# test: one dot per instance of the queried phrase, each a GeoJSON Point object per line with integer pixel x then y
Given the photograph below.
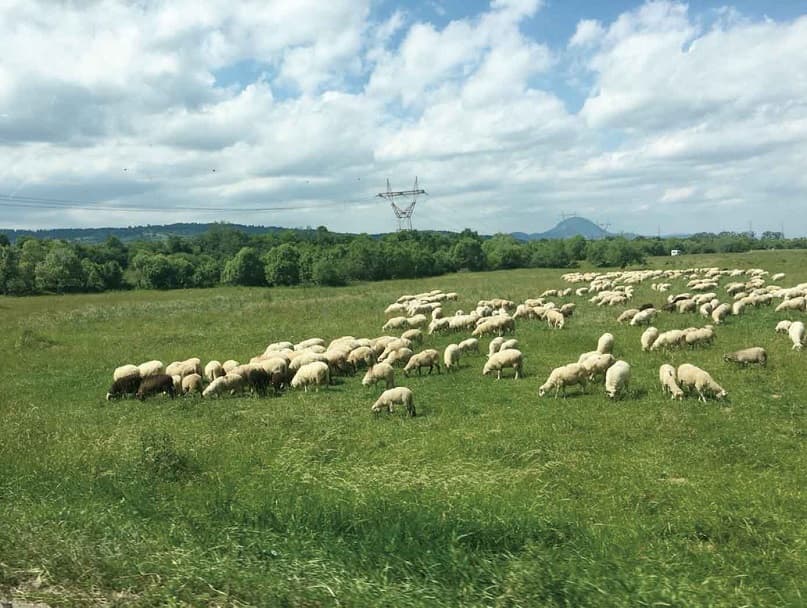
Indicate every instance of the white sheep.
{"type": "Point", "coordinates": [495, 345]}
{"type": "Point", "coordinates": [214, 370]}
{"type": "Point", "coordinates": [396, 323]}
{"type": "Point", "coordinates": [617, 378]}
{"type": "Point", "coordinates": [379, 371]}
{"type": "Point", "coordinates": [563, 376]}
{"type": "Point", "coordinates": [229, 365]}
{"type": "Point", "coordinates": [720, 313]}
{"type": "Point", "coordinates": [782, 327]}
{"type": "Point", "coordinates": [151, 368]}
{"type": "Point", "coordinates": [400, 356]}
{"type": "Point", "coordinates": [395, 396]}
{"type": "Point", "coordinates": [468, 345]}
{"type": "Point", "coordinates": [361, 356]}
{"type": "Point", "coordinates": [667, 377]}
{"type": "Point", "coordinates": [185, 368]}
{"type": "Point", "coordinates": [754, 354]}
{"type": "Point", "coordinates": [511, 343]}
{"type": "Point", "coordinates": [315, 373]}
{"type": "Point", "coordinates": [648, 337]}
{"type": "Point", "coordinates": [126, 371]}
{"type": "Point", "coordinates": [451, 357]}
{"type": "Point", "coordinates": [627, 315]}
{"type": "Point", "coordinates": [428, 358]}
{"type": "Point", "coordinates": [306, 344]}
{"type": "Point", "coordinates": [192, 383]}
{"type": "Point", "coordinates": [504, 358]}
{"type": "Point", "coordinates": [796, 333]}
{"type": "Point", "coordinates": [691, 377]}
{"type": "Point", "coordinates": [231, 383]}
{"type": "Point", "coordinates": [672, 337]}
{"type": "Point", "coordinates": [413, 335]}
{"type": "Point", "coordinates": [597, 364]}
{"type": "Point", "coordinates": [605, 344]}
{"type": "Point", "coordinates": [555, 319]}
{"type": "Point", "coordinates": [643, 317]}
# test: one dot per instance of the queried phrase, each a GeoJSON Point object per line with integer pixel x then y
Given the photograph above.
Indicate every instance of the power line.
{"type": "Point", "coordinates": [55, 203]}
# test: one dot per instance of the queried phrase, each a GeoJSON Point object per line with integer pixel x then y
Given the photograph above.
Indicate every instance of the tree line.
{"type": "Point", "coordinates": [226, 256]}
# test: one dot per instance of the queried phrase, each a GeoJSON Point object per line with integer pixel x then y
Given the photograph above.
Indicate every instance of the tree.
{"type": "Point", "coordinates": [154, 271]}
{"type": "Point", "coordinates": [467, 254]}
{"type": "Point", "coordinates": [245, 268]}
{"type": "Point", "coordinates": [328, 270]}
{"type": "Point", "coordinates": [282, 265]}
{"type": "Point", "coordinates": [60, 272]}
{"type": "Point", "coordinates": [10, 283]}
{"type": "Point", "coordinates": [503, 251]}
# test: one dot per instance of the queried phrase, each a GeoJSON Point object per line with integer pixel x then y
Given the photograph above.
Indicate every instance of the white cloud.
{"type": "Point", "coordinates": [588, 32]}
{"type": "Point", "coordinates": [124, 103]}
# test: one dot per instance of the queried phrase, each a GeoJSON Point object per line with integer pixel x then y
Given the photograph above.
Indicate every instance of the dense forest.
{"type": "Point", "coordinates": [225, 255]}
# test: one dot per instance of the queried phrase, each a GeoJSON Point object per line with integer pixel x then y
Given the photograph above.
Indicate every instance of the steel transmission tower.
{"type": "Point", "coordinates": [403, 214]}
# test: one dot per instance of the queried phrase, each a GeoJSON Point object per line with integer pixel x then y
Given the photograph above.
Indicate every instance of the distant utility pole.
{"type": "Point", "coordinates": [403, 215]}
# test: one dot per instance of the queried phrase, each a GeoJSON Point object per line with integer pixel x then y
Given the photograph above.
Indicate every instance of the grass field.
{"type": "Point", "coordinates": [492, 496]}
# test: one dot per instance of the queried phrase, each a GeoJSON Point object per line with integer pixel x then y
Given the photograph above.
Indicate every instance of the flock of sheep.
{"type": "Point", "coordinates": [315, 362]}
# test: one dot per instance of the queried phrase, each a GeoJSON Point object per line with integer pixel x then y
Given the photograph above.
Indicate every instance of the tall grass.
{"type": "Point", "coordinates": [492, 496]}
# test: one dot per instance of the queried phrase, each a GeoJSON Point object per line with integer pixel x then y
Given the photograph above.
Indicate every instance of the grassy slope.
{"type": "Point", "coordinates": [491, 496]}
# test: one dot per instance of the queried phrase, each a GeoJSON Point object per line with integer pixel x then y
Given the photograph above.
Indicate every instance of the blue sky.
{"type": "Point", "coordinates": [511, 112]}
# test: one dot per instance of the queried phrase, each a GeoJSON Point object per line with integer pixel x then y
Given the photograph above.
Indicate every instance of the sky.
{"type": "Point", "coordinates": [655, 116]}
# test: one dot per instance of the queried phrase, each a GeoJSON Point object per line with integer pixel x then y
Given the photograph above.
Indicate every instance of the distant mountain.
{"type": "Point", "coordinates": [131, 233]}
{"type": "Point", "coordinates": [569, 227]}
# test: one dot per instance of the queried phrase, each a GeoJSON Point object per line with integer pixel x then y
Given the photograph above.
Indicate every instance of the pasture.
{"type": "Point", "coordinates": [491, 496]}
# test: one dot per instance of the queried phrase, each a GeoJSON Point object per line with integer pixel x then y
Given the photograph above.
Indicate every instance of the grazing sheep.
{"type": "Point", "coordinates": [567, 310]}
{"type": "Point", "coordinates": [121, 387]}
{"type": "Point", "coordinates": [495, 345]}
{"type": "Point", "coordinates": [605, 344]}
{"type": "Point", "coordinates": [672, 337]}
{"type": "Point", "coordinates": [796, 333]}
{"type": "Point", "coordinates": [214, 370]}
{"type": "Point", "coordinates": [511, 343]}
{"type": "Point", "coordinates": [154, 384]}
{"type": "Point", "coordinates": [468, 345]}
{"type": "Point", "coordinates": [362, 356]}
{"type": "Point", "coordinates": [184, 368]}
{"type": "Point", "coordinates": [755, 354]}
{"type": "Point", "coordinates": [667, 377]}
{"type": "Point", "coordinates": [428, 358]}
{"type": "Point", "coordinates": [151, 368]}
{"type": "Point", "coordinates": [563, 376]}
{"type": "Point", "coordinates": [315, 373]}
{"type": "Point", "coordinates": [417, 321]}
{"type": "Point", "coordinates": [555, 319]}
{"type": "Point", "coordinates": [192, 384]}
{"type": "Point", "coordinates": [648, 337]}
{"type": "Point", "coordinates": [177, 383]}
{"type": "Point", "coordinates": [126, 371]}
{"type": "Point", "coordinates": [643, 317]}
{"type": "Point", "coordinates": [597, 364]}
{"type": "Point", "coordinates": [627, 316]}
{"type": "Point", "coordinates": [258, 379]}
{"type": "Point", "coordinates": [379, 371]}
{"type": "Point", "coordinates": [413, 335]}
{"type": "Point", "coordinates": [400, 356]}
{"type": "Point", "coordinates": [231, 383]}
{"type": "Point", "coordinates": [451, 357]}
{"type": "Point", "coordinates": [617, 378]}
{"type": "Point", "coordinates": [782, 327]}
{"type": "Point", "coordinates": [306, 344]}
{"type": "Point", "coordinates": [720, 313]}
{"type": "Point", "coordinates": [307, 357]}
{"type": "Point", "coordinates": [702, 335]}
{"type": "Point", "coordinates": [396, 323]}
{"type": "Point", "coordinates": [395, 396]}
{"type": "Point", "coordinates": [691, 377]}
{"type": "Point", "coordinates": [504, 358]}
{"type": "Point", "coordinates": [797, 303]}
{"type": "Point", "coordinates": [229, 365]}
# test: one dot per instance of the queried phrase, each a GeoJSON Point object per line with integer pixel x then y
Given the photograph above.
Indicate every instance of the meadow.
{"type": "Point", "coordinates": [491, 496]}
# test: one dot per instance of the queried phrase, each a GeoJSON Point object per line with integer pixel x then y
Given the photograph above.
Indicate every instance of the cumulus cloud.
{"type": "Point", "coordinates": [127, 104]}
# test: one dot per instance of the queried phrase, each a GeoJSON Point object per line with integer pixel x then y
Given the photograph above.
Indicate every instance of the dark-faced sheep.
{"type": "Point", "coordinates": [127, 385]}
{"type": "Point", "coordinates": [153, 385]}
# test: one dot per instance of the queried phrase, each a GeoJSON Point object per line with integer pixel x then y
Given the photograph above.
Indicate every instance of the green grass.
{"type": "Point", "coordinates": [492, 496]}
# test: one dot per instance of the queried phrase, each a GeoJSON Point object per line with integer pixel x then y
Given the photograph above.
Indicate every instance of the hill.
{"type": "Point", "coordinates": [567, 228]}
{"type": "Point", "coordinates": [131, 233]}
